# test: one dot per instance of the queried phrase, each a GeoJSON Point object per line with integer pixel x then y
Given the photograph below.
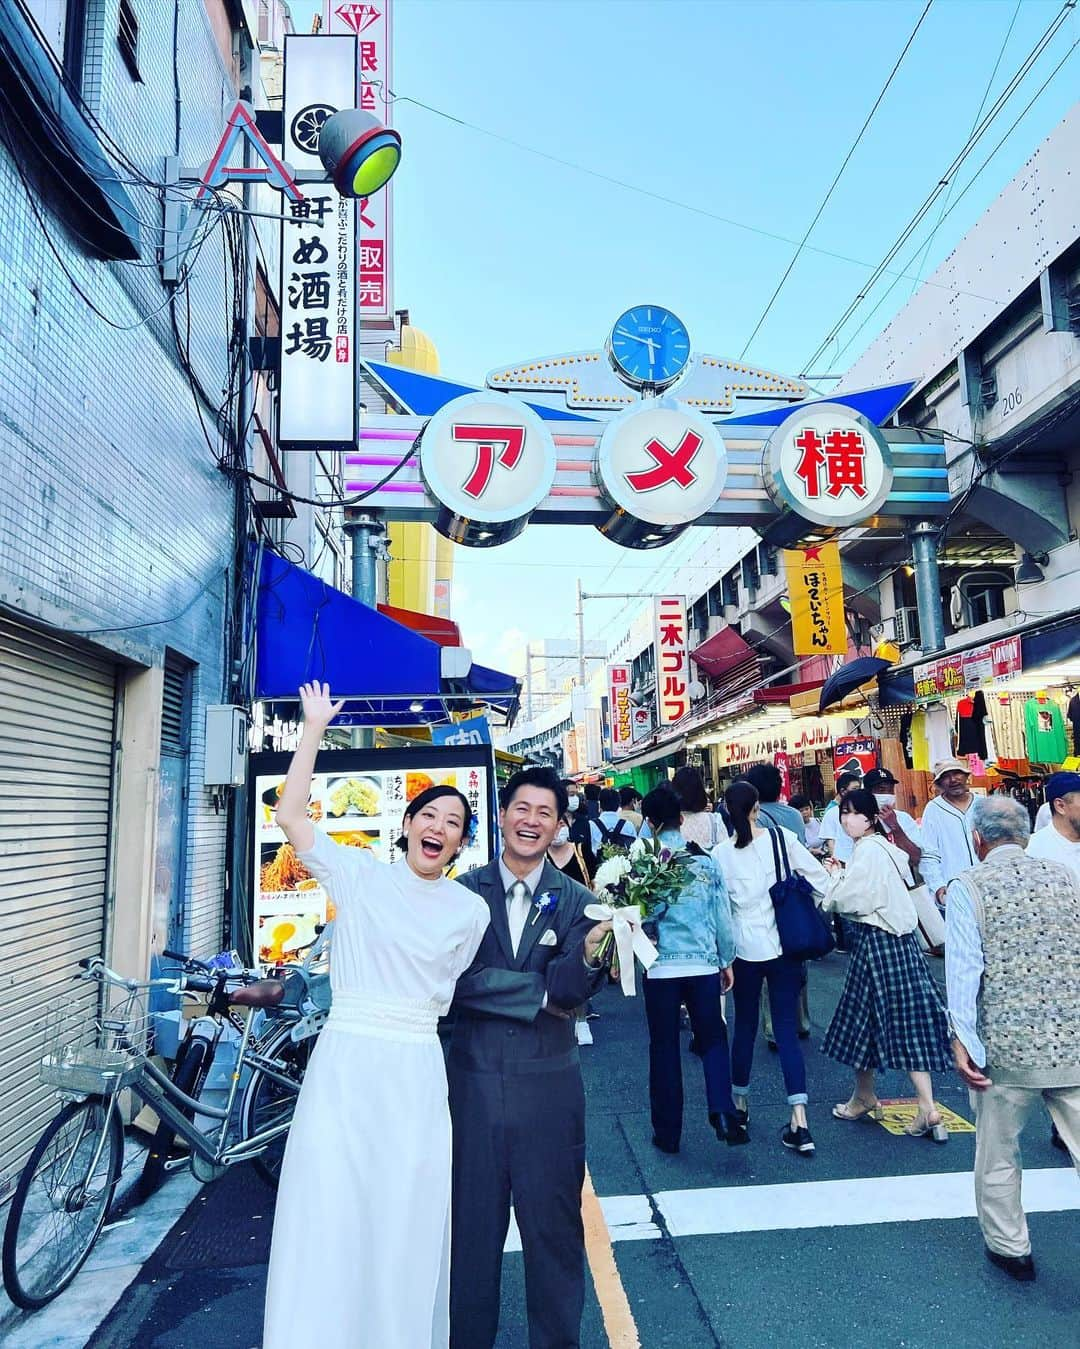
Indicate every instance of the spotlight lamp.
{"type": "Point", "coordinates": [358, 152]}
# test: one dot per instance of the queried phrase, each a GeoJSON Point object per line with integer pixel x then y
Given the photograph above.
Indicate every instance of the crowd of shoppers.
{"type": "Point", "coordinates": [1010, 934]}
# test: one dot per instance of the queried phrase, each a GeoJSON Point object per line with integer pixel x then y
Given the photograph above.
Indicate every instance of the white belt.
{"type": "Point", "coordinates": [404, 1019]}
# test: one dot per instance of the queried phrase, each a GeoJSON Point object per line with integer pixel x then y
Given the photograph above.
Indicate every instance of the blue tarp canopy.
{"type": "Point", "coordinates": [390, 675]}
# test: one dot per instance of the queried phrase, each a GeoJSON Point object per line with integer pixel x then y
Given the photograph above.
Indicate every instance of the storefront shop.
{"type": "Point", "coordinates": [801, 748]}
{"type": "Point", "coordinates": [1010, 709]}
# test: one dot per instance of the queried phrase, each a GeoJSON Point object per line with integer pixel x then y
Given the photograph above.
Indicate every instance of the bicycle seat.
{"type": "Point", "coordinates": [262, 993]}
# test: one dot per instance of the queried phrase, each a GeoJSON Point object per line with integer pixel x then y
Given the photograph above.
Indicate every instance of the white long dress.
{"type": "Point", "coordinates": [361, 1248]}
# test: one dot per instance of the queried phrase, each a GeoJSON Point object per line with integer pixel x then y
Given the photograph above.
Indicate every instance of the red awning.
{"type": "Point", "coordinates": [722, 652]}
{"type": "Point", "coordinates": [440, 630]}
{"type": "Point", "coordinates": [781, 693]}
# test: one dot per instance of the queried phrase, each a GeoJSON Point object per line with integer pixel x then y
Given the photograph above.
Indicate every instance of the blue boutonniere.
{"type": "Point", "coordinates": [545, 904]}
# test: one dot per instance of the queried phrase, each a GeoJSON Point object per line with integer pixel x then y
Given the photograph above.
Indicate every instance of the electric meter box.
{"type": "Point", "coordinates": [226, 747]}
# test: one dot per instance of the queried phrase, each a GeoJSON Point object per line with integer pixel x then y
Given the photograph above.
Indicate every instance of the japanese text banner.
{"type": "Point", "coordinates": [816, 590]}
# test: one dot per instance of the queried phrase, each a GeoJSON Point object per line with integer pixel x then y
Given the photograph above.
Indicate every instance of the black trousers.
{"type": "Point", "coordinates": [517, 1135]}
{"type": "Point", "coordinates": [704, 1002]}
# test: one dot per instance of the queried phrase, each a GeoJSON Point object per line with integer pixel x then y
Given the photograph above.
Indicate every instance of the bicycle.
{"type": "Point", "coordinates": [67, 1186]}
{"type": "Point", "coordinates": [286, 1040]}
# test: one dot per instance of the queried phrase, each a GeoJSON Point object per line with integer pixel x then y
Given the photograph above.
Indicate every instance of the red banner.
{"type": "Point", "coordinates": [980, 666]}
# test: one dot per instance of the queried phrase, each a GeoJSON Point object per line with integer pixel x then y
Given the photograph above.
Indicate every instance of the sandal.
{"type": "Point", "coordinates": [923, 1126]}
{"type": "Point", "coordinates": [850, 1111]}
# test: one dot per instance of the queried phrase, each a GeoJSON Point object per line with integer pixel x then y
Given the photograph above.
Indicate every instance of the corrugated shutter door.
{"type": "Point", "coordinates": [57, 706]}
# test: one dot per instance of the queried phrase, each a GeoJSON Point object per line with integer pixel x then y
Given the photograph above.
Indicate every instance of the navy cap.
{"type": "Point", "coordinates": [879, 777]}
{"type": "Point", "coordinates": [1061, 784]}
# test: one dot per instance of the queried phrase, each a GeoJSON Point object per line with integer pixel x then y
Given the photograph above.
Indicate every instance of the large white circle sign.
{"type": "Point", "coordinates": [487, 458]}
{"type": "Point", "coordinates": [829, 465]}
{"type": "Point", "coordinates": [661, 463]}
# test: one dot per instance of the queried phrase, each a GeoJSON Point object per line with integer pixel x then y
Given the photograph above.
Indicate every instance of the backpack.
{"type": "Point", "coordinates": [613, 836]}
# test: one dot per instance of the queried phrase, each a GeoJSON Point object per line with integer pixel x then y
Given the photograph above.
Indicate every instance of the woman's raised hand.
{"type": "Point", "coordinates": [319, 711]}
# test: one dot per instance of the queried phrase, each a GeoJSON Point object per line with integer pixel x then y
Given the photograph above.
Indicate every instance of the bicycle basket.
{"type": "Point", "coordinates": [94, 1040]}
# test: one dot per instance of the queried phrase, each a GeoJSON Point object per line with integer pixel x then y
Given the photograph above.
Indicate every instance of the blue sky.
{"type": "Point", "coordinates": [737, 110]}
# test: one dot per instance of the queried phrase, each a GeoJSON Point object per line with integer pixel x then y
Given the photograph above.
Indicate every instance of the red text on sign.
{"type": "Point", "coordinates": [494, 444]}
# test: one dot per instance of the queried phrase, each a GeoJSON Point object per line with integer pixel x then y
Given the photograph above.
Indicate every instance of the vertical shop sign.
{"type": "Point", "coordinates": [371, 25]}
{"type": "Point", "coordinates": [318, 258]}
{"type": "Point", "coordinates": [619, 708]}
{"type": "Point", "coordinates": [641, 724]}
{"type": "Point", "coordinates": [855, 754]}
{"type": "Point", "coordinates": [816, 591]}
{"type": "Point", "coordinates": [672, 659]}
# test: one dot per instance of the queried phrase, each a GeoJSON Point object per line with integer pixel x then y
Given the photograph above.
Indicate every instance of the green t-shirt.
{"type": "Point", "coordinates": [1044, 731]}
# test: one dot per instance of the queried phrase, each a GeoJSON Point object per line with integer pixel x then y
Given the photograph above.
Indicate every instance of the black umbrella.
{"type": "Point", "coordinates": [848, 678]}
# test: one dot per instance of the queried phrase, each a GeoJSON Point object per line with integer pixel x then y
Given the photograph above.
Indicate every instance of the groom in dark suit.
{"type": "Point", "coordinates": [516, 1095]}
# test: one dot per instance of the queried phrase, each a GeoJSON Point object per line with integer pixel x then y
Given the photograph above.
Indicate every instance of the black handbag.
{"type": "Point", "coordinates": [804, 932]}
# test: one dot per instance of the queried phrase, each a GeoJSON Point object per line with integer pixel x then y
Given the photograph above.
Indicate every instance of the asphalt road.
{"type": "Point", "coordinates": [705, 1258]}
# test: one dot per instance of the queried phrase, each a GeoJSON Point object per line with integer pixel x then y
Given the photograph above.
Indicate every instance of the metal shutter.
{"type": "Point", "coordinates": [57, 715]}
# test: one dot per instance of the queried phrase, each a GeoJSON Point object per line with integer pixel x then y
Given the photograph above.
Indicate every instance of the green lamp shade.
{"type": "Point", "coordinates": [360, 153]}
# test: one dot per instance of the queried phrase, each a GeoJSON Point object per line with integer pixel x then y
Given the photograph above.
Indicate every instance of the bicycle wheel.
{"type": "Point", "coordinates": [267, 1103]}
{"type": "Point", "coordinates": [61, 1202]}
{"type": "Point", "coordinates": [186, 1078]}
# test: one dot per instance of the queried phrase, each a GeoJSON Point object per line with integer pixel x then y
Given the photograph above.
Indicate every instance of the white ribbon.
{"type": "Point", "coordinates": [630, 941]}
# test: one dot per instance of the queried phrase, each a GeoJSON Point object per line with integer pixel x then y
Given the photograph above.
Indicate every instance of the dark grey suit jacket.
{"type": "Point", "coordinates": [501, 987]}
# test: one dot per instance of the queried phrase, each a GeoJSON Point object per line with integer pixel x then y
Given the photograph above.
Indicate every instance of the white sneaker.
{"type": "Point", "coordinates": [583, 1032]}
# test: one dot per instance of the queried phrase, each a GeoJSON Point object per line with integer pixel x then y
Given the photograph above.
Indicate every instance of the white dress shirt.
{"type": "Point", "coordinates": [1042, 816]}
{"type": "Point", "coordinates": [964, 965]}
{"type": "Point", "coordinates": [515, 918]}
{"type": "Point", "coordinates": [947, 842]}
{"type": "Point", "coordinates": [875, 888]}
{"type": "Point", "coordinates": [748, 873]}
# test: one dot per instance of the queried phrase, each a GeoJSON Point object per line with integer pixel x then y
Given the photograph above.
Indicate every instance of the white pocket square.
{"type": "Point", "coordinates": [548, 938]}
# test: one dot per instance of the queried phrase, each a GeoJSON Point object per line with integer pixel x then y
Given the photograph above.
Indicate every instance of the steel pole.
{"type": "Point", "coordinates": [581, 634]}
{"type": "Point", "coordinates": [365, 535]}
{"type": "Point", "coordinates": [924, 553]}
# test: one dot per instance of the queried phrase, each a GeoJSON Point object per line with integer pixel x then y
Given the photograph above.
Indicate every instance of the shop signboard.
{"type": "Point", "coordinates": [816, 592]}
{"type": "Point", "coordinates": [317, 377]}
{"type": "Point", "coordinates": [471, 731]}
{"type": "Point", "coordinates": [855, 754]}
{"type": "Point", "coordinates": [829, 465]}
{"type": "Point", "coordinates": [371, 24]}
{"type": "Point", "coordinates": [982, 666]}
{"type": "Point", "coordinates": [662, 463]}
{"type": "Point", "coordinates": [800, 737]}
{"type": "Point", "coordinates": [620, 709]}
{"type": "Point", "coordinates": [672, 659]}
{"type": "Point", "coordinates": [358, 797]}
{"type": "Point", "coordinates": [490, 461]}
{"type": "Point", "coordinates": [641, 724]}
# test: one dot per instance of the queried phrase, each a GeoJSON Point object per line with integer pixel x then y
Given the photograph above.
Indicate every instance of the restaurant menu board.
{"type": "Point", "coordinates": [358, 797]}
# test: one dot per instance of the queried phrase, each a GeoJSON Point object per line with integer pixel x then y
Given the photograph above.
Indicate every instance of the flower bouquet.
{"type": "Point", "coordinates": [635, 888]}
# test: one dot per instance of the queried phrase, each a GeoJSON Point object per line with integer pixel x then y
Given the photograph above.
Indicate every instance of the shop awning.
{"type": "Point", "coordinates": [441, 631]}
{"type": "Point", "coordinates": [390, 676]}
{"type": "Point", "coordinates": [722, 652]}
{"type": "Point", "coordinates": [851, 676]}
{"type": "Point", "coordinates": [649, 756]}
{"type": "Point", "coordinates": [783, 693]}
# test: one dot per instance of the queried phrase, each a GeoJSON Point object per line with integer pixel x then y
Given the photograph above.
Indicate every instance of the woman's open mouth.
{"type": "Point", "coordinates": [432, 848]}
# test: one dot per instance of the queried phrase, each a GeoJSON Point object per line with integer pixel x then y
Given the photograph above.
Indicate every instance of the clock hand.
{"type": "Point", "coordinates": [632, 336]}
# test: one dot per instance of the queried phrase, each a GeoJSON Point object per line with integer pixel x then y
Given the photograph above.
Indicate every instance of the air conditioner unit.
{"type": "Point", "coordinates": [906, 620]}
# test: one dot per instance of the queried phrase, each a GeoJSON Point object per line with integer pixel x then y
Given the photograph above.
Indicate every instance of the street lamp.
{"type": "Point", "coordinates": [359, 153]}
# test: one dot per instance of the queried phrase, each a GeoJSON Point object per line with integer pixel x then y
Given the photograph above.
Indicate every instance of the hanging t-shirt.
{"type": "Point", "coordinates": [1044, 731]}
{"type": "Point", "coordinates": [920, 749]}
{"type": "Point", "coordinates": [1073, 713]}
{"type": "Point", "coordinates": [988, 735]}
{"type": "Point", "coordinates": [939, 733]}
{"type": "Point", "coordinates": [970, 736]}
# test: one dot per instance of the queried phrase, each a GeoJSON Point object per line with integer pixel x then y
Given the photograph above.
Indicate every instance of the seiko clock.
{"type": "Point", "coordinates": [649, 348]}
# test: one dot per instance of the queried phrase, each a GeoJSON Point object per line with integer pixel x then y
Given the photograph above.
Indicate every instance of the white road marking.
{"type": "Point", "coordinates": [850, 1203]}
{"type": "Point", "coordinates": [818, 1203]}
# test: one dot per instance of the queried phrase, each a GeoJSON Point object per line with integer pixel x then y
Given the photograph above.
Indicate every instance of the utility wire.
{"type": "Point", "coordinates": [836, 179]}
{"type": "Point", "coordinates": [962, 194]}
{"type": "Point", "coordinates": [974, 124]}
{"type": "Point", "coordinates": [943, 182]}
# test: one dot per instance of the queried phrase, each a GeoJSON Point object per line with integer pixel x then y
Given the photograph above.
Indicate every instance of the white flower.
{"type": "Point", "coordinates": [638, 849]}
{"type": "Point", "coordinates": [610, 872]}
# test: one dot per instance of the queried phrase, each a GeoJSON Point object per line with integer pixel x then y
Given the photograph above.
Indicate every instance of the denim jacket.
{"type": "Point", "coordinates": [698, 926]}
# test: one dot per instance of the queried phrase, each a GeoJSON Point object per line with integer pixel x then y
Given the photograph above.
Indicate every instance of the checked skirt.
{"type": "Point", "coordinates": [890, 1014]}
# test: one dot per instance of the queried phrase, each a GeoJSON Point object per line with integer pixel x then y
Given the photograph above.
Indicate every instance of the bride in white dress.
{"type": "Point", "coordinates": [361, 1246]}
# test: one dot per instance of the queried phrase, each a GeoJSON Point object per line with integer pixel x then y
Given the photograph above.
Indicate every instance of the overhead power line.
{"type": "Point", "coordinates": [836, 178]}
{"type": "Point", "coordinates": [943, 183]}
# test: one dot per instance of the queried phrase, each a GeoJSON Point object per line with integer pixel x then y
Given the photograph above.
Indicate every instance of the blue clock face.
{"type": "Point", "coordinates": [649, 346]}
